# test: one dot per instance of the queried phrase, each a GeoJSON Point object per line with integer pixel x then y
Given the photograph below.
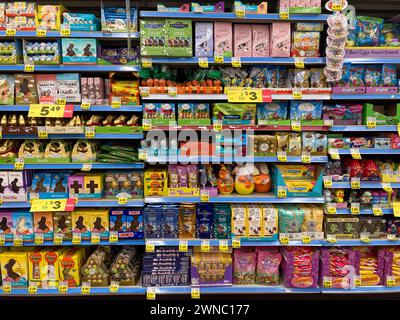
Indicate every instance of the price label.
{"type": "Point", "coordinates": [86, 167]}
{"type": "Point", "coordinates": [116, 102]}
{"type": "Point", "coordinates": [299, 63]}
{"type": "Point", "coordinates": [236, 243]}
{"type": "Point", "coordinates": [334, 153]}
{"type": "Point", "coordinates": [114, 286]}
{"type": "Point", "coordinates": [146, 125]}
{"type": "Point", "coordinates": [49, 205]}
{"type": "Point", "coordinates": [390, 281]}
{"type": "Point", "coordinates": [76, 238]}
{"type": "Point", "coordinates": [18, 240]}
{"type": "Point", "coordinates": [297, 94]}
{"type": "Point", "coordinates": [296, 125]}
{"type": "Point", "coordinates": [29, 67]}
{"type": "Point", "coordinates": [355, 208]}
{"type": "Point", "coordinates": [327, 282]}
{"type": "Point", "coordinates": [95, 238]}
{"type": "Point", "coordinates": [282, 157]}
{"type": "Point", "coordinates": [306, 157]}
{"type": "Point", "coordinates": [90, 132]}
{"type": "Point", "coordinates": [236, 62]}
{"type": "Point", "coordinates": [364, 237]}
{"type": "Point", "coordinates": [396, 209]}
{"type": "Point", "coordinates": [283, 239]}
{"type": "Point", "coordinates": [205, 246]}
{"type": "Point", "coordinates": [240, 11]}
{"type": "Point", "coordinates": [19, 164]}
{"type": "Point", "coordinates": [85, 105]}
{"type": "Point", "coordinates": [41, 32]}
{"type": "Point", "coordinates": [357, 281]}
{"type": "Point", "coordinates": [337, 5]}
{"type": "Point", "coordinates": [197, 8]}
{"type": "Point", "coordinates": [150, 247]}
{"type": "Point", "coordinates": [219, 59]}
{"type": "Point", "coordinates": [252, 95]}
{"type": "Point", "coordinates": [147, 63]}
{"type": "Point", "coordinates": [113, 237]}
{"type": "Point", "coordinates": [284, 15]}
{"type": "Point", "coordinates": [63, 287]}
{"type": "Point", "coordinates": [142, 155]}
{"type": "Point", "coordinates": [331, 238]}
{"type": "Point", "coordinates": [32, 289]}
{"type": "Point", "coordinates": [50, 111]}
{"type": "Point", "coordinates": [387, 187]}
{"type": "Point", "coordinates": [172, 91]}
{"type": "Point", "coordinates": [282, 193]}
{"type": "Point", "coordinates": [377, 211]}
{"type": "Point", "coordinates": [223, 246]}
{"type": "Point", "coordinates": [61, 101]}
{"type": "Point", "coordinates": [144, 92]}
{"type": "Point", "coordinates": [355, 153]}
{"type": "Point", "coordinates": [398, 128]}
{"type": "Point", "coordinates": [331, 209]}
{"type": "Point", "coordinates": [371, 122]}
{"type": "Point", "coordinates": [183, 245]}
{"type": "Point", "coordinates": [217, 126]}
{"type": "Point", "coordinates": [195, 293]}
{"type": "Point", "coordinates": [58, 239]}
{"type": "Point", "coordinates": [65, 30]}
{"type": "Point", "coordinates": [2, 239]}
{"type": "Point", "coordinates": [39, 239]}
{"type": "Point", "coordinates": [328, 123]}
{"type": "Point", "coordinates": [6, 287]}
{"type": "Point", "coordinates": [355, 183]}
{"type": "Point", "coordinates": [85, 289]}
{"type": "Point", "coordinates": [203, 62]}
{"type": "Point", "coordinates": [306, 239]}
{"type": "Point", "coordinates": [151, 293]}
{"type": "Point", "coordinates": [11, 32]}
{"type": "Point", "coordinates": [327, 181]}
{"type": "Point", "coordinates": [122, 201]}
{"type": "Point", "coordinates": [204, 196]}
{"type": "Point", "coordinates": [391, 237]}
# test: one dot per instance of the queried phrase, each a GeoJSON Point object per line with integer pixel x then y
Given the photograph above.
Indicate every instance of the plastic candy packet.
{"type": "Point", "coordinates": [302, 78]}
{"type": "Point", "coordinates": [368, 31]}
{"type": "Point", "coordinates": [372, 75]}
{"type": "Point", "coordinates": [389, 35]}
{"type": "Point", "coordinates": [318, 79]}
{"type": "Point", "coordinates": [356, 76]}
{"type": "Point", "coordinates": [389, 76]}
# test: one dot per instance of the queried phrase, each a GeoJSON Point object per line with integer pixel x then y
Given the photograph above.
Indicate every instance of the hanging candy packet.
{"type": "Point", "coordinates": [368, 31]}
{"type": "Point", "coordinates": [372, 75]}
{"type": "Point", "coordinates": [389, 75]}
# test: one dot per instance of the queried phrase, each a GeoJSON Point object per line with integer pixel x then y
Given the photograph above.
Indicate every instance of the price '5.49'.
{"type": "Point", "coordinates": [51, 111]}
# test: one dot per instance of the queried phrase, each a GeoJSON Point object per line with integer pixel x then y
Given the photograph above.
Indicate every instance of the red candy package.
{"type": "Point", "coordinates": [370, 170]}
{"type": "Point", "coordinates": [353, 167]}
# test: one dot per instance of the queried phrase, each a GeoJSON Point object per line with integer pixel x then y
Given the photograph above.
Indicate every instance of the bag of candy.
{"type": "Point", "coordinates": [318, 79]}
{"type": "Point", "coordinates": [368, 31]}
{"type": "Point", "coordinates": [372, 75]}
{"type": "Point", "coordinates": [389, 36]}
{"type": "Point", "coordinates": [244, 266]}
{"type": "Point", "coordinates": [389, 76]}
{"type": "Point", "coordinates": [356, 76]}
{"type": "Point", "coordinates": [268, 262]}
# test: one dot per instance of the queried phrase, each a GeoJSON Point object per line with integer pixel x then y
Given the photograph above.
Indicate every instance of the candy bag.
{"type": "Point", "coordinates": [389, 36]}
{"type": "Point", "coordinates": [368, 31]}
{"type": "Point", "coordinates": [372, 75]}
{"type": "Point", "coordinates": [389, 75]}
{"type": "Point", "coordinates": [318, 79]}
{"type": "Point", "coordinates": [356, 77]}
{"type": "Point", "coordinates": [244, 266]}
{"type": "Point", "coordinates": [268, 261]}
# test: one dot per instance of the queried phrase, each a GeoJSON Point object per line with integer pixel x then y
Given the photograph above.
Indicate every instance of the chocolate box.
{"type": "Point", "coordinates": [204, 39]}
{"type": "Point", "coordinates": [223, 39]}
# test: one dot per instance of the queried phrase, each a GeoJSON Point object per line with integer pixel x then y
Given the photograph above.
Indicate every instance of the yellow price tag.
{"type": "Point", "coordinates": [391, 283]}
{"type": "Point", "coordinates": [284, 15]}
{"type": "Point", "coordinates": [144, 92]}
{"type": "Point", "coordinates": [183, 245]}
{"type": "Point", "coordinates": [299, 63]}
{"type": "Point", "coordinates": [296, 125]}
{"type": "Point", "coordinates": [86, 167]}
{"type": "Point", "coordinates": [327, 182]}
{"type": "Point", "coordinates": [204, 196]}
{"type": "Point", "coordinates": [11, 32]}
{"type": "Point", "coordinates": [334, 153]}
{"type": "Point", "coordinates": [282, 193]}
{"type": "Point", "coordinates": [46, 111]}
{"type": "Point", "coordinates": [146, 125]}
{"type": "Point", "coordinates": [240, 13]}
{"type": "Point", "coordinates": [63, 287]}
{"type": "Point", "coordinates": [29, 68]}
{"type": "Point", "coordinates": [396, 209]}
{"type": "Point", "coordinates": [195, 293]}
{"type": "Point", "coordinates": [236, 62]}
{"type": "Point", "coordinates": [203, 62]}
{"type": "Point", "coordinates": [377, 211]}
{"type": "Point", "coordinates": [205, 246]}
{"type": "Point", "coordinates": [387, 187]}
{"type": "Point", "coordinates": [355, 183]}
{"type": "Point", "coordinates": [65, 31]}
{"type": "Point", "coordinates": [90, 133]}
{"type": "Point", "coordinates": [355, 153]}
{"type": "Point", "coordinates": [391, 237]}
{"type": "Point", "coordinates": [116, 102]}
{"type": "Point", "coordinates": [217, 126]}
{"type": "Point", "coordinates": [32, 289]}
{"type": "Point", "coordinates": [113, 237]}
{"type": "Point", "coordinates": [19, 164]}
{"type": "Point", "coordinates": [147, 63]}
{"type": "Point", "coordinates": [236, 243]}
{"type": "Point", "coordinates": [76, 238]}
{"type": "Point", "coordinates": [331, 209]}
{"type": "Point", "coordinates": [357, 281]}
{"type": "Point", "coordinates": [85, 289]}
{"type": "Point", "coordinates": [58, 239]}
{"type": "Point", "coordinates": [39, 239]}
{"type": "Point", "coordinates": [2, 240]}
{"type": "Point", "coordinates": [6, 287]}
{"type": "Point", "coordinates": [122, 201]}
{"type": "Point", "coordinates": [219, 59]}
{"type": "Point", "coordinates": [398, 128]}
{"type": "Point", "coordinates": [306, 239]}
{"type": "Point", "coordinates": [142, 155]}
{"type": "Point", "coordinates": [85, 105]}
{"type": "Point", "coordinates": [306, 157]}
{"type": "Point", "coordinates": [282, 157]}
{"type": "Point", "coordinates": [48, 205]}
{"type": "Point", "coordinates": [337, 5]}
{"type": "Point", "coordinates": [18, 241]}
{"type": "Point", "coordinates": [371, 122]}
{"type": "Point", "coordinates": [365, 238]}
{"type": "Point", "coordinates": [327, 283]}
{"type": "Point", "coordinates": [172, 91]}
{"type": "Point", "coordinates": [331, 238]}
{"type": "Point", "coordinates": [61, 101]}
{"type": "Point", "coordinates": [41, 33]}
{"type": "Point", "coordinates": [297, 94]}
{"type": "Point", "coordinates": [114, 286]}
{"type": "Point", "coordinates": [223, 246]}
{"type": "Point", "coordinates": [150, 247]}
{"type": "Point", "coordinates": [43, 134]}
{"type": "Point", "coordinates": [284, 240]}
{"type": "Point", "coordinates": [355, 208]}
{"type": "Point", "coordinates": [95, 238]}
{"type": "Point", "coordinates": [150, 294]}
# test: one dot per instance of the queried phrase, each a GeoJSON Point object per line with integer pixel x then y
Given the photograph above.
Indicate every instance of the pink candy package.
{"type": "Point", "coordinates": [268, 262]}
{"type": "Point", "coordinates": [223, 38]}
{"type": "Point", "coordinates": [244, 266]}
{"type": "Point", "coordinates": [280, 39]}
{"type": "Point", "coordinates": [371, 262]}
{"type": "Point", "coordinates": [242, 40]}
{"type": "Point", "coordinates": [260, 40]}
{"type": "Point", "coordinates": [300, 267]}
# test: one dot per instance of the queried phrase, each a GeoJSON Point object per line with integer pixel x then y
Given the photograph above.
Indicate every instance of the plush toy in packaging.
{"type": "Point", "coordinates": [242, 40]}
{"type": "Point", "coordinates": [79, 51]}
{"type": "Point", "coordinates": [179, 37]}
{"type": "Point", "coordinates": [204, 39]}
{"type": "Point", "coordinates": [6, 89]}
{"type": "Point", "coordinates": [223, 39]}
{"type": "Point", "coordinates": [260, 40]}
{"type": "Point", "coordinates": [153, 37]}
{"type": "Point", "coordinates": [280, 37]}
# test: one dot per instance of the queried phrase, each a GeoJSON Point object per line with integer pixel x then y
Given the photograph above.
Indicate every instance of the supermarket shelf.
{"type": "Point", "coordinates": [358, 242]}
{"type": "Point", "coordinates": [362, 211]}
{"type": "Point", "coordinates": [120, 242]}
{"type": "Point", "coordinates": [372, 60]}
{"type": "Point", "coordinates": [363, 128]}
{"type": "Point", "coordinates": [74, 34]}
{"type": "Point", "coordinates": [76, 166]}
{"type": "Point", "coordinates": [231, 17]}
{"type": "Point", "coordinates": [243, 60]}
{"type": "Point", "coordinates": [365, 96]}
{"type": "Point", "coordinates": [229, 159]}
{"type": "Point", "coordinates": [70, 68]}
{"type": "Point", "coordinates": [370, 151]}
{"type": "Point", "coordinates": [369, 289]}
{"type": "Point", "coordinates": [236, 198]}
{"type": "Point", "coordinates": [224, 97]}
{"type": "Point", "coordinates": [258, 127]}
{"type": "Point", "coordinates": [363, 185]}
{"type": "Point", "coordinates": [74, 291]}
{"type": "Point", "coordinates": [243, 243]}
{"type": "Point", "coordinates": [93, 108]}
{"type": "Point", "coordinates": [103, 203]}
{"type": "Point", "coordinates": [98, 136]}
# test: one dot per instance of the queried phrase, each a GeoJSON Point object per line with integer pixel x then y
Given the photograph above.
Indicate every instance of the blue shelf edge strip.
{"type": "Point", "coordinates": [95, 108]}
{"type": "Point", "coordinates": [371, 151]}
{"type": "Point", "coordinates": [363, 185]}
{"type": "Point", "coordinates": [81, 204]}
{"type": "Point", "coordinates": [243, 60]}
{"type": "Point", "coordinates": [77, 136]}
{"type": "Point", "coordinates": [235, 199]}
{"type": "Point", "coordinates": [74, 34]}
{"type": "Point", "coordinates": [105, 166]}
{"type": "Point", "coordinates": [74, 68]}
{"type": "Point", "coordinates": [225, 159]}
